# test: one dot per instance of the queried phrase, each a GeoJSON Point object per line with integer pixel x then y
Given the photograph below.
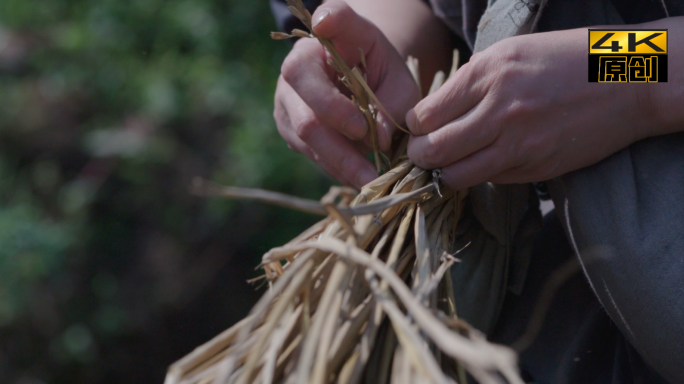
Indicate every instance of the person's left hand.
{"type": "Point", "coordinates": [522, 111]}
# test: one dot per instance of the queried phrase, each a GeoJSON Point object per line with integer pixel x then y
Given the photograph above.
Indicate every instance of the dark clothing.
{"type": "Point", "coordinates": [284, 19]}
{"type": "Point", "coordinates": [578, 342]}
{"type": "Point", "coordinates": [464, 16]}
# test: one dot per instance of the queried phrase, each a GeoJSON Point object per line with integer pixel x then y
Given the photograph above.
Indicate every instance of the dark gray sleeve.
{"type": "Point", "coordinates": [284, 19]}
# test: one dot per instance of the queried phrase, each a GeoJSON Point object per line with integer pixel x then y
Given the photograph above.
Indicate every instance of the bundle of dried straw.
{"type": "Point", "coordinates": [365, 294]}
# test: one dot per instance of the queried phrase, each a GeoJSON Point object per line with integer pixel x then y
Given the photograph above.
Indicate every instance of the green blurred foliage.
{"type": "Point", "coordinates": [109, 269]}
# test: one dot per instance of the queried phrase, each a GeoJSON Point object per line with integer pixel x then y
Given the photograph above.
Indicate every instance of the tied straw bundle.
{"type": "Point", "coordinates": [365, 294]}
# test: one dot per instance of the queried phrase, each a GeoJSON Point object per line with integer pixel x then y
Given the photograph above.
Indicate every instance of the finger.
{"type": "Point", "coordinates": [387, 73]}
{"type": "Point", "coordinates": [477, 168]}
{"type": "Point", "coordinates": [457, 96]}
{"type": "Point", "coordinates": [453, 142]}
{"type": "Point", "coordinates": [337, 175]}
{"type": "Point", "coordinates": [398, 95]}
{"type": "Point", "coordinates": [293, 141]}
{"type": "Point", "coordinates": [336, 152]}
{"type": "Point", "coordinates": [341, 155]}
{"type": "Point", "coordinates": [303, 148]}
{"type": "Point", "coordinates": [337, 21]}
{"type": "Point", "coordinates": [531, 172]}
{"type": "Point", "coordinates": [283, 123]}
{"type": "Point", "coordinates": [296, 144]}
{"type": "Point", "coordinates": [304, 70]}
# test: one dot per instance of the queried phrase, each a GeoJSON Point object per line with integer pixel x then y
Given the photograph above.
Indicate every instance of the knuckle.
{"type": "Point", "coordinates": [305, 126]}
{"type": "Point", "coordinates": [424, 116]}
{"type": "Point", "coordinates": [431, 155]}
{"type": "Point", "coordinates": [510, 53]}
{"type": "Point", "coordinates": [291, 65]}
{"type": "Point", "coordinates": [292, 148]}
{"type": "Point", "coordinates": [345, 165]}
{"type": "Point", "coordinates": [488, 136]}
{"type": "Point", "coordinates": [279, 112]}
{"type": "Point", "coordinates": [481, 64]}
{"type": "Point", "coordinates": [519, 108]}
{"type": "Point", "coordinates": [505, 51]}
{"type": "Point", "coordinates": [276, 115]}
{"type": "Point", "coordinates": [280, 118]}
{"type": "Point", "coordinates": [475, 61]}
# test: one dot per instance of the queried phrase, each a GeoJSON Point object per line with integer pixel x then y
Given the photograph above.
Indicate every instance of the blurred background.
{"type": "Point", "coordinates": [109, 269]}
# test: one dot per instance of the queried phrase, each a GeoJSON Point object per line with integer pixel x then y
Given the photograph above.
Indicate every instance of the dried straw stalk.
{"type": "Point", "coordinates": [363, 296]}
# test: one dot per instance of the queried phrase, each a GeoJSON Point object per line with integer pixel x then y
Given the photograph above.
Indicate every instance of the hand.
{"type": "Point", "coordinates": [523, 111]}
{"type": "Point", "coordinates": [312, 111]}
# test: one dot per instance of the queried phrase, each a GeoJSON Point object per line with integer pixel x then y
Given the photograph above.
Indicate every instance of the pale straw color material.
{"type": "Point", "coordinates": [363, 296]}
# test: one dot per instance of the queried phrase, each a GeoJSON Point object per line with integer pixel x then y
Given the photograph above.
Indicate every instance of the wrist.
{"type": "Point", "coordinates": [666, 101]}
{"type": "Point", "coordinates": [661, 103]}
{"type": "Point", "coordinates": [647, 118]}
{"type": "Point", "coordinates": [659, 109]}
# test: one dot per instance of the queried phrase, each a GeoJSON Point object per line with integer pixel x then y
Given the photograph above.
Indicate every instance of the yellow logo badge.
{"type": "Point", "coordinates": [620, 56]}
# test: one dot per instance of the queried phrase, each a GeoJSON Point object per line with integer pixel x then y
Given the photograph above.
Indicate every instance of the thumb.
{"type": "Point", "coordinates": [388, 74]}
{"type": "Point", "coordinates": [398, 96]}
{"type": "Point", "coordinates": [349, 31]}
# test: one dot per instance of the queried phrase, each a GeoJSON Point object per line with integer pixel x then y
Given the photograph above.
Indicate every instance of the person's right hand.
{"type": "Point", "coordinates": [313, 114]}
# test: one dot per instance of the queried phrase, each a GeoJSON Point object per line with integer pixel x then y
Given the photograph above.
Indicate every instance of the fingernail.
{"type": "Point", "coordinates": [385, 130]}
{"type": "Point", "coordinates": [365, 176]}
{"type": "Point", "coordinates": [355, 128]}
{"type": "Point", "coordinates": [320, 15]}
{"type": "Point", "coordinates": [412, 121]}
